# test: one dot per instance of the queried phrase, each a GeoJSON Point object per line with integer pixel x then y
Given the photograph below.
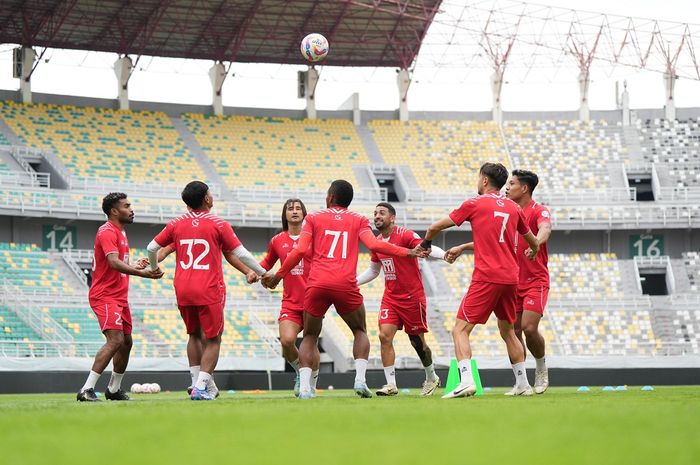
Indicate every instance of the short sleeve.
{"type": "Point", "coordinates": [308, 226]}
{"type": "Point", "coordinates": [365, 225]}
{"type": "Point", "coordinates": [270, 257]}
{"type": "Point", "coordinates": [411, 239]}
{"type": "Point", "coordinates": [229, 240]}
{"type": "Point", "coordinates": [108, 241]}
{"type": "Point", "coordinates": [544, 216]}
{"type": "Point", "coordinates": [463, 212]}
{"type": "Point", "coordinates": [165, 237]}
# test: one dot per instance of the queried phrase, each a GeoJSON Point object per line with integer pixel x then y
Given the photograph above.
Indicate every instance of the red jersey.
{"type": "Point", "coordinates": [199, 238]}
{"type": "Point", "coordinates": [295, 280]}
{"type": "Point", "coordinates": [495, 221]}
{"type": "Point", "coordinates": [401, 274]}
{"type": "Point", "coordinates": [535, 272]}
{"type": "Point", "coordinates": [109, 285]}
{"type": "Point", "coordinates": [335, 234]}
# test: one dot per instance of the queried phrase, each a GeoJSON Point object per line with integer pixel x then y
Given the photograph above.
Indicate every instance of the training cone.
{"type": "Point", "coordinates": [584, 389]}
{"type": "Point", "coordinates": [647, 388]}
{"type": "Point", "coordinates": [452, 377]}
{"type": "Point", "coordinates": [608, 388]}
{"type": "Point", "coordinates": [477, 379]}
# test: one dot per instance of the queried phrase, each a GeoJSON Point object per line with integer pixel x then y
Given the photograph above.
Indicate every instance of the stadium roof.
{"type": "Point", "coordinates": [360, 32]}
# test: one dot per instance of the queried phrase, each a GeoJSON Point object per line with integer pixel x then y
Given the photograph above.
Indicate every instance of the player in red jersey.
{"type": "Point", "coordinates": [200, 238]}
{"type": "Point", "coordinates": [291, 318]}
{"type": "Point", "coordinates": [495, 222]}
{"type": "Point", "coordinates": [335, 234]}
{"type": "Point", "coordinates": [533, 284]}
{"type": "Point", "coordinates": [109, 296]}
{"type": "Point", "coordinates": [403, 303]}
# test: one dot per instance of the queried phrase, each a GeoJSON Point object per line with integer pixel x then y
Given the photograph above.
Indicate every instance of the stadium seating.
{"type": "Point", "coordinates": [273, 153]}
{"type": "Point", "coordinates": [441, 154]}
{"type": "Point", "coordinates": [665, 141]}
{"type": "Point", "coordinates": [565, 154]}
{"type": "Point", "coordinates": [141, 146]}
{"type": "Point", "coordinates": [586, 331]}
{"type": "Point", "coordinates": [79, 321]}
{"type": "Point", "coordinates": [686, 324]}
{"type": "Point", "coordinates": [31, 270]}
{"type": "Point", "coordinates": [692, 266]}
{"type": "Point", "coordinates": [3, 142]}
{"type": "Point", "coordinates": [12, 328]}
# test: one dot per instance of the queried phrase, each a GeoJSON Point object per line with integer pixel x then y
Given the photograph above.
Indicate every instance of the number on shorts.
{"type": "Point", "coordinates": [191, 261]}
{"type": "Point", "coordinates": [384, 314]}
{"type": "Point", "coordinates": [336, 236]}
{"type": "Point", "coordinates": [118, 319]}
{"type": "Point", "coordinates": [505, 217]}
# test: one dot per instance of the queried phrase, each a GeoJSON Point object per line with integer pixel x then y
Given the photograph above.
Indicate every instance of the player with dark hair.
{"type": "Point", "coordinates": [109, 296]}
{"type": "Point", "coordinates": [335, 234]}
{"type": "Point", "coordinates": [533, 284]}
{"type": "Point", "coordinates": [495, 221]}
{"type": "Point", "coordinates": [291, 318]}
{"type": "Point", "coordinates": [403, 303]}
{"type": "Point", "coordinates": [200, 238]}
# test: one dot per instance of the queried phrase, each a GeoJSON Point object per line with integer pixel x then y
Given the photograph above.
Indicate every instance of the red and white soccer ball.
{"type": "Point", "coordinates": [314, 47]}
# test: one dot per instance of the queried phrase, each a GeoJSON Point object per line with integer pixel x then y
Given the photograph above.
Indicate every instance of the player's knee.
{"type": "Point", "coordinates": [418, 345]}
{"type": "Point", "coordinates": [128, 343]}
{"type": "Point", "coordinates": [385, 338]}
{"type": "Point", "coordinates": [288, 342]}
{"type": "Point", "coordinates": [530, 329]}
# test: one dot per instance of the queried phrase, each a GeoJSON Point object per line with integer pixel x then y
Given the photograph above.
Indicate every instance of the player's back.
{"type": "Point", "coordinates": [336, 237]}
{"type": "Point", "coordinates": [496, 222]}
{"type": "Point", "coordinates": [199, 239]}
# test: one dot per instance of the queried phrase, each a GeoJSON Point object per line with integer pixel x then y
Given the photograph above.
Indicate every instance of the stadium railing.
{"type": "Point", "coordinates": [308, 196]}
{"type": "Point", "coordinates": [16, 179]}
{"type": "Point", "coordinates": [605, 195]}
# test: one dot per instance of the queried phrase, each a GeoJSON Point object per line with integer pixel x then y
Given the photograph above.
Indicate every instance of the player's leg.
{"type": "Point", "coordinates": [309, 355]}
{"type": "Point", "coordinates": [288, 331]}
{"type": "Point", "coordinates": [119, 364]}
{"type": "Point", "coordinates": [536, 346]}
{"type": "Point", "coordinates": [195, 346]}
{"type": "Point", "coordinates": [386, 339]}
{"type": "Point", "coordinates": [505, 310]}
{"type": "Point", "coordinates": [518, 328]}
{"type": "Point", "coordinates": [432, 382]}
{"type": "Point", "coordinates": [463, 352]}
{"type": "Point", "coordinates": [211, 322]}
{"type": "Point", "coordinates": [114, 339]}
{"type": "Point", "coordinates": [356, 321]}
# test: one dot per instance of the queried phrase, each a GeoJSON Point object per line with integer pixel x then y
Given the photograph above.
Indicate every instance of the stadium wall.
{"type": "Point", "coordinates": [58, 382]}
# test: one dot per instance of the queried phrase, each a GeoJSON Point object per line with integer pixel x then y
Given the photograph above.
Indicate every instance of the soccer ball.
{"type": "Point", "coordinates": [314, 47]}
{"type": "Point", "coordinates": [136, 388]}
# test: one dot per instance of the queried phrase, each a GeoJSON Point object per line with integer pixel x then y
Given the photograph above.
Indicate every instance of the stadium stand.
{"type": "Point", "coordinates": [441, 154]}
{"type": "Point", "coordinates": [90, 141]}
{"type": "Point", "coordinates": [12, 328]}
{"type": "Point", "coordinates": [274, 153]}
{"type": "Point", "coordinates": [79, 321]}
{"type": "Point", "coordinates": [30, 269]}
{"type": "Point", "coordinates": [666, 141]}
{"type": "Point", "coordinates": [692, 265]}
{"type": "Point", "coordinates": [565, 154]}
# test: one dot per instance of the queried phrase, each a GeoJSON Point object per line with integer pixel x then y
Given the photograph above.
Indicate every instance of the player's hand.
{"type": "Point", "coordinates": [141, 263]}
{"type": "Point", "coordinates": [251, 277]}
{"type": "Point", "coordinates": [531, 254]}
{"type": "Point", "coordinates": [270, 280]}
{"type": "Point", "coordinates": [418, 252]}
{"type": "Point", "coordinates": [152, 274]}
{"type": "Point", "coordinates": [452, 254]}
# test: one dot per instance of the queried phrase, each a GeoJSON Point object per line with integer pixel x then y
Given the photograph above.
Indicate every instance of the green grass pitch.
{"type": "Point", "coordinates": [559, 427]}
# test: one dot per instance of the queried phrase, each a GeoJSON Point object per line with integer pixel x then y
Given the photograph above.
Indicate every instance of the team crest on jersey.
{"type": "Point", "coordinates": [195, 222]}
{"type": "Point", "coordinates": [500, 202]}
{"type": "Point", "coordinates": [389, 269]}
{"type": "Point", "coordinates": [285, 246]}
{"type": "Point", "coordinates": [338, 217]}
{"type": "Point", "coordinates": [545, 214]}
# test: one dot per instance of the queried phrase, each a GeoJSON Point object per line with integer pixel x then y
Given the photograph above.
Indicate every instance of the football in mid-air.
{"type": "Point", "coordinates": [314, 47]}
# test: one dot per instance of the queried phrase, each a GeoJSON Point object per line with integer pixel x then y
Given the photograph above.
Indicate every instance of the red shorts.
{"type": "Point", "coordinates": [317, 300]}
{"type": "Point", "coordinates": [112, 315]}
{"type": "Point", "coordinates": [208, 318]}
{"type": "Point", "coordinates": [293, 315]}
{"type": "Point", "coordinates": [482, 298]}
{"type": "Point", "coordinates": [532, 299]}
{"type": "Point", "coordinates": [407, 314]}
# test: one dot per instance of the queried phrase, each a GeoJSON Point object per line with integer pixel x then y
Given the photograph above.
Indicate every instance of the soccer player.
{"type": "Point", "coordinates": [335, 234]}
{"type": "Point", "coordinates": [403, 303]}
{"type": "Point", "coordinates": [109, 296]}
{"type": "Point", "coordinates": [495, 221]}
{"type": "Point", "coordinates": [195, 346]}
{"type": "Point", "coordinates": [200, 238]}
{"type": "Point", "coordinates": [291, 318]}
{"type": "Point", "coordinates": [533, 284]}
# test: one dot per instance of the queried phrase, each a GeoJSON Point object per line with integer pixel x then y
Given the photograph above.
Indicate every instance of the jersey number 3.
{"type": "Point", "coordinates": [191, 261]}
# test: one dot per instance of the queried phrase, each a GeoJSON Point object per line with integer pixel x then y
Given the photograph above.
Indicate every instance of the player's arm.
{"type": "Point", "coordinates": [270, 258]}
{"type": "Point", "coordinates": [116, 264]}
{"type": "Point", "coordinates": [164, 252]}
{"type": "Point", "coordinates": [436, 253]}
{"type": "Point", "coordinates": [387, 248]}
{"type": "Point", "coordinates": [454, 252]}
{"type": "Point", "coordinates": [235, 262]}
{"type": "Point", "coordinates": [369, 274]}
{"type": "Point", "coordinates": [545, 230]}
{"type": "Point", "coordinates": [247, 258]}
{"type": "Point", "coordinates": [271, 280]}
{"type": "Point", "coordinates": [434, 229]}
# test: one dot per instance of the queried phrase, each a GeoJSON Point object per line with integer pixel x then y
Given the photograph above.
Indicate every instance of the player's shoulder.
{"type": "Point", "coordinates": [280, 236]}
{"type": "Point", "coordinates": [106, 228]}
